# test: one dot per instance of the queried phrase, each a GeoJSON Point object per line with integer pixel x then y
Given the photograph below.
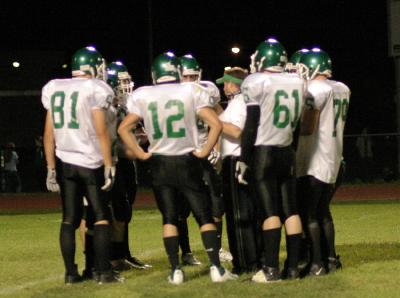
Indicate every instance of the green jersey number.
{"type": "Point", "coordinates": [341, 106]}
{"type": "Point", "coordinates": [282, 112]}
{"type": "Point", "coordinates": [171, 133]}
{"type": "Point", "coordinates": [58, 109]}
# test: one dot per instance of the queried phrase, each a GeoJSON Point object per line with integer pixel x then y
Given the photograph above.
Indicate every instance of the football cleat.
{"type": "Point", "coordinates": [221, 274]}
{"type": "Point", "coordinates": [317, 270]}
{"type": "Point", "coordinates": [110, 277]}
{"type": "Point", "coordinates": [190, 259]}
{"type": "Point", "coordinates": [334, 264]}
{"type": "Point", "coordinates": [267, 275]}
{"type": "Point", "coordinates": [224, 255]}
{"type": "Point", "coordinates": [73, 278]}
{"type": "Point", "coordinates": [134, 262]}
{"type": "Point", "coordinates": [177, 277]}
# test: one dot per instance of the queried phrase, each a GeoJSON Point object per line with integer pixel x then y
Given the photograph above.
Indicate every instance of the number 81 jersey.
{"type": "Point", "coordinates": [280, 97]}
{"type": "Point", "coordinates": [70, 102]}
{"type": "Point", "coordinates": [169, 115]}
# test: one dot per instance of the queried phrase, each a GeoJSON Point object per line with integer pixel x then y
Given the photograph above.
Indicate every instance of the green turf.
{"type": "Point", "coordinates": [368, 240]}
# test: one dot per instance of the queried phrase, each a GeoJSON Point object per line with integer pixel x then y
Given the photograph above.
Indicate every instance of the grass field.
{"type": "Point", "coordinates": [368, 240]}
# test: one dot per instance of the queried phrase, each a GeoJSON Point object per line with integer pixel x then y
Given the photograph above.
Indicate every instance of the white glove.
{"type": "Point", "coordinates": [214, 157]}
{"type": "Point", "coordinates": [241, 169]}
{"type": "Point", "coordinates": [109, 178]}
{"type": "Point", "coordinates": [51, 181]}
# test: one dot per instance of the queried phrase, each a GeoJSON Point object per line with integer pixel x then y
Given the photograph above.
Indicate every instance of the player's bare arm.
{"type": "Point", "coordinates": [49, 142]}
{"type": "Point", "coordinates": [209, 116]}
{"type": "Point", "coordinates": [125, 132]}
{"type": "Point", "coordinates": [309, 122]}
{"type": "Point", "coordinates": [231, 130]}
{"type": "Point", "coordinates": [103, 135]}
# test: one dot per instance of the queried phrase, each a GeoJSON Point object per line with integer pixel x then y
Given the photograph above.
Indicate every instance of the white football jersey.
{"type": "Point", "coordinates": [320, 154]}
{"type": "Point", "coordinates": [215, 98]}
{"type": "Point", "coordinates": [169, 113]}
{"type": "Point", "coordinates": [235, 113]}
{"type": "Point", "coordinates": [280, 97]}
{"type": "Point", "coordinates": [71, 102]}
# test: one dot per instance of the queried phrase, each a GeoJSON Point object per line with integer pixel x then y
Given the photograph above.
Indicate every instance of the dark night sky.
{"type": "Point", "coordinates": [353, 33]}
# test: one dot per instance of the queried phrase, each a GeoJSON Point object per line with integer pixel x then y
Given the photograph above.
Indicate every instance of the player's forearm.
{"type": "Point", "coordinates": [129, 139]}
{"type": "Point", "coordinates": [105, 147]}
{"type": "Point", "coordinates": [49, 143]}
{"type": "Point", "coordinates": [231, 130]}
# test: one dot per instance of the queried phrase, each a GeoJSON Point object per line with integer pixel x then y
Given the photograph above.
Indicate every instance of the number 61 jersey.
{"type": "Point", "coordinates": [280, 97]}
{"type": "Point", "coordinates": [169, 115]}
{"type": "Point", "coordinates": [70, 102]}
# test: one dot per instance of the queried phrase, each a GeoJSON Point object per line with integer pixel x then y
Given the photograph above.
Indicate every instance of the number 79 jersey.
{"type": "Point", "coordinates": [169, 115]}
{"type": "Point", "coordinates": [71, 102]}
{"type": "Point", "coordinates": [320, 153]}
{"type": "Point", "coordinates": [280, 97]}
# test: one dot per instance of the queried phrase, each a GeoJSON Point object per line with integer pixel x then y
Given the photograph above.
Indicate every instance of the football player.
{"type": "Point", "coordinates": [169, 110]}
{"type": "Point", "coordinates": [319, 154]}
{"type": "Point", "coordinates": [123, 193]}
{"type": "Point", "coordinates": [76, 132]}
{"type": "Point", "coordinates": [191, 72]}
{"type": "Point", "coordinates": [274, 101]}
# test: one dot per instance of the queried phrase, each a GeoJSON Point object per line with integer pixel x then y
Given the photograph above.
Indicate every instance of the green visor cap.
{"type": "Point", "coordinates": [229, 78]}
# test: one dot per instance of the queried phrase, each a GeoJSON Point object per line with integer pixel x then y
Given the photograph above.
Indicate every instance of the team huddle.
{"type": "Point", "coordinates": [271, 157]}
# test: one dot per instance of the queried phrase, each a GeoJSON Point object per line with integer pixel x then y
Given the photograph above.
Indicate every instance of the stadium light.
{"type": "Point", "coordinates": [235, 50]}
{"type": "Point", "coordinates": [15, 64]}
{"type": "Point", "coordinates": [64, 66]}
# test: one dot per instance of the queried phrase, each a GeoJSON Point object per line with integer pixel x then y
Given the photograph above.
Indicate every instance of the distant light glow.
{"type": "Point", "coordinates": [119, 63]}
{"type": "Point", "coordinates": [188, 56]}
{"type": "Point", "coordinates": [235, 50]}
{"type": "Point", "coordinates": [304, 50]}
{"type": "Point", "coordinates": [64, 66]}
{"type": "Point", "coordinates": [227, 68]}
{"type": "Point", "coordinates": [272, 40]}
{"type": "Point", "coordinates": [170, 54]}
{"type": "Point", "coordinates": [90, 48]}
{"type": "Point", "coordinates": [16, 64]}
{"type": "Point", "coordinates": [316, 50]}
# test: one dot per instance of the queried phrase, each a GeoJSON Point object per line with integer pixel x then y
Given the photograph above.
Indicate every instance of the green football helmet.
{"type": "Point", "coordinates": [316, 62]}
{"type": "Point", "coordinates": [190, 66]}
{"type": "Point", "coordinates": [269, 55]}
{"type": "Point", "coordinates": [166, 68]}
{"type": "Point", "coordinates": [293, 64]}
{"type": "Point", "coordinates": [119, 78]}
{"type": "Point", "coordinates": [89, 61]}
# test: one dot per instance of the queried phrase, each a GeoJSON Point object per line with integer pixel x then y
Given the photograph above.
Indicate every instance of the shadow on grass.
{"type": "Point", "coordinates": [354, 255]}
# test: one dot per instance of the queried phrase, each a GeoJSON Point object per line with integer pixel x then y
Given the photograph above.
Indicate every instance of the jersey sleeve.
{"type": "Point", "coordinates": [252, 91]}
{"type": "Point", "coordinates": [238, 115]}
{"type": "Point", "coordinates": [46, 97]}
{"type": "Point", "coordinates": [317, 95]}
{"type": "Point", "coordinates": [102, 95]}
{"type": "Point", "coordinates": [215, 95]}
{"type": "Point", "coordinates": [202, 97]}
{"type": "Point", "coordinates": [132, 103]}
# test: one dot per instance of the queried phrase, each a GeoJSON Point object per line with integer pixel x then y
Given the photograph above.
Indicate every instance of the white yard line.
{"type": "Point", "coordinates": [12, 290]}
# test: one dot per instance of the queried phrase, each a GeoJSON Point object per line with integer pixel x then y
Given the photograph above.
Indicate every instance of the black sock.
{"type": "Point", "coordinates": [117, 250]}
{"type": "Point", "coordinates": [210, 243]}
{"type": "Point", "coordinates": [67, 243]}
{"type": "Point", "coordinates": [329, 232]}
{"type": "Point", "coordinates": [315, 237]}
{"type": "Point", "coordinates": [127, 252]}
{"type": "Point", "coordinates": [183, 236]}
{"type": "Point", "coordinates": [102, 243]}
{"type": "Point", "coordinates": [171, 245]}
{"type": "Point", "coordinates": [218, 224]}
{"type": "Point", "coordinates": [89, 251]}
{"type": "Point", "coordinates": [293, 249]}
{"type": "Point", "coordinates": [272, 240]}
